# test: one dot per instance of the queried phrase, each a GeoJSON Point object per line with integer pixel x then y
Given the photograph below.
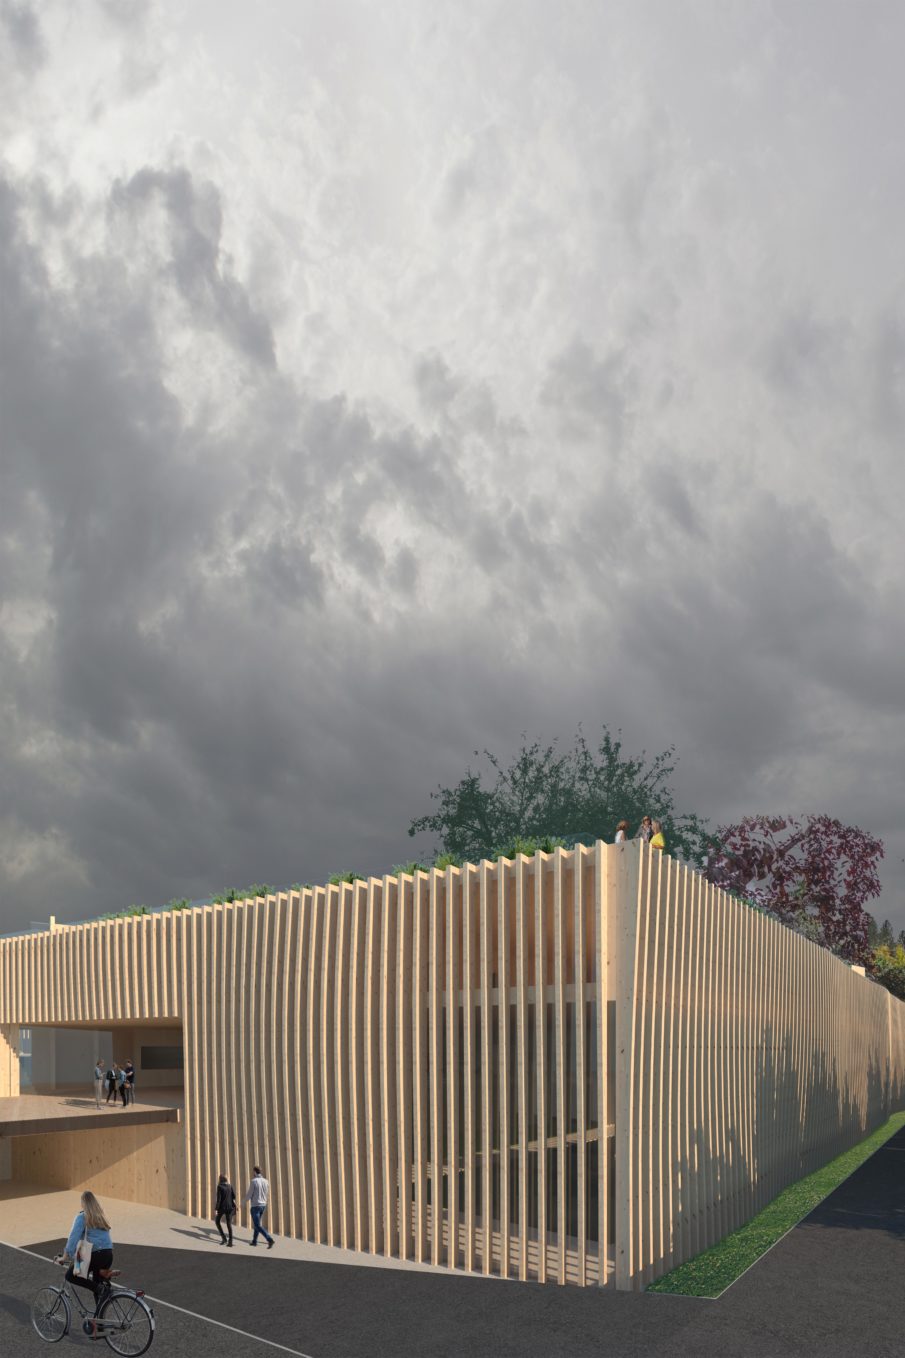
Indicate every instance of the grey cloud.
{"type": "Point", "coordinates": [127, 14]}
{"type": "Point", "coordinates": [19, 21]}
{"type": "Point", "coordinates": [591, 395]}
{"type": "Point", "coordinates": [195, 217]}
{"type": "Point", "coordinates": [283, 569]}
{"type": "Point", "coordinates": [803, 354]}
{"type": "Point", "coordinates": [436, 384]}
{"type": "Point", "coordinates": [478, 173]}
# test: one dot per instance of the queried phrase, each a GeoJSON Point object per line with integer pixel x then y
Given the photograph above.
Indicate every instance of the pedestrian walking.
{"type": "Point", "coordinates": [656, 840]}
{"type": "Point", "coordinates": [129, 1071]}
{"type": "Point", "coordinates": [225, 1207]}
{"type": "Point", "coordinates": [120, 1082]}
{"type": "Point", "coordinates": [621, 832]}
{"type": "Point", "coordinates": [111, 1083]}
{"type": "Point", "coordinates": [257, 1195]}
{"type": "Point", "coordinates": [99, 1078]}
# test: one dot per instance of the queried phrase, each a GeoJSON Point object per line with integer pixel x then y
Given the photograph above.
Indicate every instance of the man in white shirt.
{"type": "Point", "coordinates": [257, 1195]}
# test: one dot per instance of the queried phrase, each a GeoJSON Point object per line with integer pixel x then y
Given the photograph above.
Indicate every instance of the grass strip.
{"type": "Point", "coordinates": [709, 1273]}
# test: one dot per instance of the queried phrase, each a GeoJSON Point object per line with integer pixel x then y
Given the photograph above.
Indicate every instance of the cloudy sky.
{"type": "Point", "coordinates": [384, 378]}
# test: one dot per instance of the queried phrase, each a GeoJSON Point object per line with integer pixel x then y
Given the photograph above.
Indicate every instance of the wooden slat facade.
{"type": "Point", "coordinates": [583, 1067]}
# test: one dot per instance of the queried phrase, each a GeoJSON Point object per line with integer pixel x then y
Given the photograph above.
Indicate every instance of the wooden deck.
{"type": "Point", "coordinates": [35, 1113]}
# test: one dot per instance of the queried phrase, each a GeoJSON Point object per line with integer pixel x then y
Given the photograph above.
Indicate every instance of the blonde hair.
{"type": "Point", "coordinates": [94, 1216]}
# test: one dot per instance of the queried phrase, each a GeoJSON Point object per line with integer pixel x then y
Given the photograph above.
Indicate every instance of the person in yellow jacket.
{"type": "Point", "coordinates": [656, 840]}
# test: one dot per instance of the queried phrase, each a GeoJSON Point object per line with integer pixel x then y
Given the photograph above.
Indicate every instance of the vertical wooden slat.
{"type": "Point", "coordinates": [503, 878]}
{"type": "Point", "coordinates": [342, 1069]}
{"type": "Point", "coordinates": [671, 1083]}
{"type": "Point", "coordinates": [389, 1063]}
{"type": "Point", "coordinates": [314, 1047]}
{"type": "Point", "coordinates": [423, 892]}
{"type": "Point", "coordinates": [605, 963]}
{"type": "Point", "coordinates": [540, 1053]}
{"type": "Point", "coordinates": [452, 1065]}
{"type": "Point", "coordinates": [721, 1103]}
{"type": "Point", "coordinates": [685, 1106]}
{"type": "Point", "coordinates": [697, 1171]}
{"type": "Point", "coordinates": [232, 1074]}
{"type": "Point", "coordinates": [435, 1063]}
{"type": "Point", "coordinates": [191, 954]}
{"type": "Point", "coordinates": [642, 1112]}
{"type": "Point", "coordinates": [559, 1057]}
{"type": "Point", "coordinates": [660, 999]}
{"type": "Point", "coordinates": [357, 1063]}
{"type": "Point", "coordinates": [468, 1061]}
{"type": "Point", "coordinates": [581, 1118]}
{"type": "Point", "coordinates": [239, 1046]}
{"type": "Point", "coordinates": [404, 1105]}
{"type": "Point", "coordinates": [286, 1063]}
{"type": "Point", "coordinates": [709, 1006]}
{"type": "Point", "coordinates": [372, 1066]}
{"type": "Point", "coordinates": [522, 905]}
{"type": "Point", "coordinates": [274, 908]}
{"type": "Point", "coordinates": [486, 1074]}
{"type": "Point", "coordinates": [215, 1053]}
{"type": "Point", "coordinates": [328, 1000]}
{"type": "Point", "coordinates": [733, 1063]}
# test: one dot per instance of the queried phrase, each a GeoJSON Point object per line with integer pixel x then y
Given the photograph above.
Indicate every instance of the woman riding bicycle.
{"type": "Point", "coordinates": [91, 1224]}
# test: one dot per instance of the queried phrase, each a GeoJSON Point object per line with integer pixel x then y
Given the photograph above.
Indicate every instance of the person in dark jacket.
{"type": "Point", "coordinates": [225, 1207]}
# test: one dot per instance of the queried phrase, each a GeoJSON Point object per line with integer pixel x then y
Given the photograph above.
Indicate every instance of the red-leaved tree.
{"type": "Point", "coordinates": [813, 872]}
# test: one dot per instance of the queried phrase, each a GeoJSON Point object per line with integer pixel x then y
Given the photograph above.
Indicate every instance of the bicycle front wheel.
{"type": "Point", "coordinates": [128, 1323]}
{"type": "Point", "coordinates": [50, 1314]}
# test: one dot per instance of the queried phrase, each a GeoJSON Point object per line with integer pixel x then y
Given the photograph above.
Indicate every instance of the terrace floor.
{"type": "Point", "coordinates": [71, 1111]}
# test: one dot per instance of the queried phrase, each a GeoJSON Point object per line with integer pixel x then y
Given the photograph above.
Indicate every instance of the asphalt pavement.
{"type": "Point", "coordinates": [832, 1288]}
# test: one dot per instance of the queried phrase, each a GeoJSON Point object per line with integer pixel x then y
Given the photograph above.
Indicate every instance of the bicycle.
{"type": "Point", "coordinates": [121, 1316]}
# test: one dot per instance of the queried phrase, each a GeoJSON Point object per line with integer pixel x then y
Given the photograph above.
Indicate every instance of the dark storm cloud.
{"type": "Point", "coordinates": [184, 704]}
{"type": "Point", "coordinates": [251, 617]}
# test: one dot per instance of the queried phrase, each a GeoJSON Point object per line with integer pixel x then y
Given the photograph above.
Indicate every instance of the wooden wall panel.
{"type": "Point", "coordinates": [136, 1163]}
{"type": "Point", "coordinates": [789, 1059]}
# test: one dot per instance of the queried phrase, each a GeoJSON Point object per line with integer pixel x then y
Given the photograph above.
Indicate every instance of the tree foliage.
{"type": "Point", "coordinates": [580, 795]}
{"type": "Point", "coordinates": [812, 872]}
{"type": "Point", "coordinates": [888, 967]}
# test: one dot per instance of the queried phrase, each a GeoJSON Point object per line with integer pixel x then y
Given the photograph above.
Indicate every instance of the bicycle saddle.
{"type": "Point", "coordinates": [109, 1272]}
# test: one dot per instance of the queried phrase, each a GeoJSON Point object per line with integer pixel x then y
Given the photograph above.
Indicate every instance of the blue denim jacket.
{"type": "Point", "coordinates": [100, 1240]}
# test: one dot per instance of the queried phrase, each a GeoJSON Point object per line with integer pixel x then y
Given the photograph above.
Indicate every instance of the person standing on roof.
{"type": "Point", "coordinates": [99, 1078]}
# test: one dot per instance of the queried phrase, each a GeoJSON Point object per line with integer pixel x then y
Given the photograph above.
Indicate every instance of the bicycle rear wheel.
{"type": "Point", "coordinates": [133, 1323]}
{"type": "Point", "coordinates": [50, 1314]}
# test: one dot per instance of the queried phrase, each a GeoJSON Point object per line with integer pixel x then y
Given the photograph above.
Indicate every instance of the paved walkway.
{"type": "Point", "coordinates": [830, 1289]}
{"type": "Point", "coordinates": [29, 1212]}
